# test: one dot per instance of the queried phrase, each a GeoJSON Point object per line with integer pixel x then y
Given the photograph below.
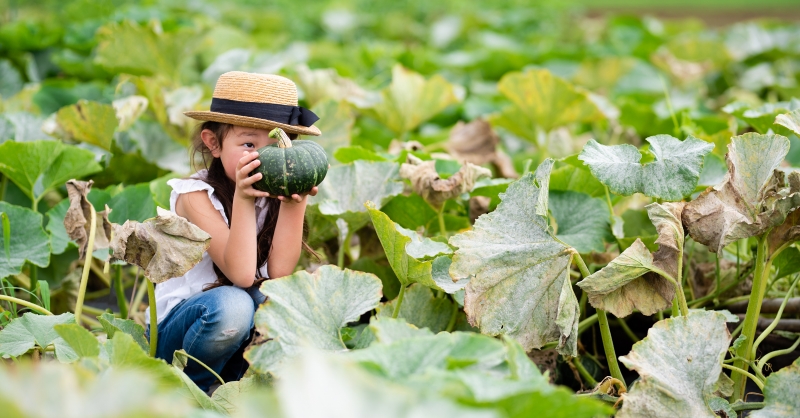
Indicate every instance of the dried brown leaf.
{"type": "Point", "coordinates": [476, 142]}
{"type": "Point", "coordinates": [77, 218]}
{"type": "Point", "coordinates": [435, 190]}
{"type": "Point", "coordinates": [753, 198]}
{"type": "Point", "coordinates": [789, 231]}
{"type": "Point", "coordinates": [166, 246]}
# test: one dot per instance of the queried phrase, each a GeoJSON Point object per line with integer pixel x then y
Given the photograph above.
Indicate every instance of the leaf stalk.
{"type": "Point", "coordinates": [87, 264]}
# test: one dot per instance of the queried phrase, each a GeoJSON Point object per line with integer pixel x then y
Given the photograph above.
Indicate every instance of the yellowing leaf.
{"type": "Point", "coordinates": [76, 220]}
{"type": "Point", "coordinates": [410, 100]}
{"type": "Point", "coordinates": [546, 101]}
{"type": "Point", "coordinates": [129, 109]}
{"type": "Point", "coordinates": [166, 246]}
{"type": "Point", "coordinates": [89, 122]}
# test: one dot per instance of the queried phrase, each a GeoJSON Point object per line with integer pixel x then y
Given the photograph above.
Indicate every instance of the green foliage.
{"type": "Point", "coordinates": [27, 240]}
{"type": "Point", "coordinates": [33, 330]}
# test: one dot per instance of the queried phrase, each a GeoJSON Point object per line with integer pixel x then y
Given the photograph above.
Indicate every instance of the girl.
{"type": "Point", "coordinates": [209, 311]}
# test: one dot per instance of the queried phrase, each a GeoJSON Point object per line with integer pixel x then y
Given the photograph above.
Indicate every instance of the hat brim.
{"type": "Point", "coordinates": [252, 122]}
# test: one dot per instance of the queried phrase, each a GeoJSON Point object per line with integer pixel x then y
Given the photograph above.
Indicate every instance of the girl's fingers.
{"type": "Point", "coordinates": [297, 198]}
{"type": "Point", "coordinates": [313, 191]}
{"type": "Point", "coordinates": [248, 181]}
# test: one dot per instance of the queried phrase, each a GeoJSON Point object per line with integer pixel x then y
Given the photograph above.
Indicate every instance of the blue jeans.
{"type": "Point", "coordinates": [215, 327]}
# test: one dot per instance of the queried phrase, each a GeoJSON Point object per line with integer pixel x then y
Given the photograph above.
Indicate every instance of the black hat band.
{"type": "Point", "coordinates": [289, 115]}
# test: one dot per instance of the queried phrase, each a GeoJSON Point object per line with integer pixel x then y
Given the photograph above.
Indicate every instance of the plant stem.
{"type": "Point", "coordinates": [344, 249]}
{"type": "Point", "coordinates": [442, 227]}
{"type": "Point", "coordinates": [131, 307]}
{"type": "Point", "coordinates": [678, 288]}
{"type": "Point", "coordinates": [769, 356]}
{"type": "Point", "coordinates": [25, 303]}
{"type": "Point", "coordinates": [605, 331]}
{"type": "Point", "coordinates": [576, 361]}
{"type": "Point", "coordinates": [747, 406]}
{"type": "Point", "coordinates": [221, 382]}
{"type": "Point", "coordinates": [121, 302]}
{"type": "Point", "coordinates": [751, 317]}
{"type": "Point", "coordinates": [151, 298]}
{"type": "Point", "coordinates": [87, 263]}
{"type": "Point", "coordinates": [453, 316]}
{"type": "Point", "coordinates": [3, 187]}
{"type": "Point", "coordinates": [399, 302]}
{"type": "Point", "coordinates": [586, 323]}
{"type": "Point", "coordinates": [774, 323]}
{"type": "Point", "coordinates": [745, 373]}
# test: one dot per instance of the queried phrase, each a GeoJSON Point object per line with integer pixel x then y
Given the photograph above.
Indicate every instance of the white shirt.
{"type": "Point", "coordinates": [173, 291]}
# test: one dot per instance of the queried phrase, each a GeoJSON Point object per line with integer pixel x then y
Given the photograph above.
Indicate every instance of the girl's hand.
{"type": "Point", "coordinates": [244, 181]}
{"type": "Point", "coordinates": [298, 198]}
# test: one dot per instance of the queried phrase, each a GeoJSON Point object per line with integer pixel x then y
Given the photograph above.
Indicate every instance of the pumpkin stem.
{"type": "Point", "coordinates": [283, 139]}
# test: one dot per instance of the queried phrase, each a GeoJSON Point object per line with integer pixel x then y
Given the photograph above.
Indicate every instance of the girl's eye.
{"type": "Point", "coordinates": [249, 145]}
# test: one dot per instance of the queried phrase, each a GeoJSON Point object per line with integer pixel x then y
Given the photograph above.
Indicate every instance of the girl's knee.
{"type": "Point", "coordinates": [232, 312]}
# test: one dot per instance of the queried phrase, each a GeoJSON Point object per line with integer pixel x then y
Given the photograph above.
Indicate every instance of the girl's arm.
{"type": "Point", "coordinates": [288, 239]}
{"type": "Point", "coordinates": [232, 249]}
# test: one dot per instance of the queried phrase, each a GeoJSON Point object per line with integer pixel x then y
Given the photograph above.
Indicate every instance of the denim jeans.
{"type": "Point", "coordinates": [215, 327]}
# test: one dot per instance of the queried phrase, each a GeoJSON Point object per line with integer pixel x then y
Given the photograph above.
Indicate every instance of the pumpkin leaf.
{"type": "Point", "coordinates": [429, 184]}
{"type": "Point", "coordinates": [673, 175]}
{"type": "Point", "coordinates": [411, 212]}
{"type": "Point", "coordinates": [309, 309]}
{"type": "Point", "coordinates": [780, 393]}
{"type": "Point", "coordinates": [320, 84]}
{"type": "Point", "coordinates": [694, 347]}
{"type": "Point", "coordinates": [134, 203]}
{"type": "Point", "coordinates": [83, 342]}
{"type": "Point", "coordinates": [582, 221]}
{"type": "Point", "coordinates": [576, 179]}
{"type": "Point", "coordinates": [111, 325]}
{"type": "Point", "coordinates": [129, 109]}
{"type": "Point", "coordinates": [620, 288]}
{"type": "Point", "coordinates": [790, 121]}
{"type": "Point", "coordinates": [76, 220]}
{"type": "Point", "coordinates": [28, 243]}
{"type": "Point", "coordinates": [347, 187]}
{"type": "Point", "coordinates": [59, 240]}
{"type": "Point", "coordinates": [752, 198]}
{"type": "Point", "coordinates": [398, 245]}
{"type": "Point", "coordinates": [349, 154]}
{"type": "Point", "coordinates": [763, 117]}
{"type": "Point", "coordinates": [33, 330]}
{"type": "Point", "coordinates": [166, 246]}
{"type": "Point", "coordinates": [410, 100]}
{"type": "Point", "coordinates": [130, 48]}
{"type": "Point", "coordinates": [475, 142]}
{"type": "Point", "coordinates": [90, 122]}
{"type": "Point", "coordinates": [421, 309]}
{"type": "Point", "coordinates": [544, 101]}
{"type": "Point", "coordinates": [518, 273]}
{"type": "Point", "coordinates": [40, 166]}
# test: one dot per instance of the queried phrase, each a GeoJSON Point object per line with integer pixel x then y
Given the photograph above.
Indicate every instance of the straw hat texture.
{"type": "Point", "coordinates": [263, 101]}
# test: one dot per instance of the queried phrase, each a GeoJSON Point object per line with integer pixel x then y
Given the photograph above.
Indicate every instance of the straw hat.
{"type": "Point", "coordinates": [263, 101]}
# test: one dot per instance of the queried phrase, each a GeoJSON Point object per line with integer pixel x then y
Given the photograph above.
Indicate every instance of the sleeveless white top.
{"type": "Point", "coordinates": [173, 291]}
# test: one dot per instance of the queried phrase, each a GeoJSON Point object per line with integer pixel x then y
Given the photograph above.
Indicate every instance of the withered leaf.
{"type": "Point", "coordinates": [753, 198]}
{"type": "Point", "coordinates": [476, 143]}
{"type": "Point", "coordinates": [77, 218]}
{"type": "Point", "coordinates": [435, 190]}
{"type": "Point", "coordinates": [166, 246]}
{"type": "Point", "coordinates": [789, 231]}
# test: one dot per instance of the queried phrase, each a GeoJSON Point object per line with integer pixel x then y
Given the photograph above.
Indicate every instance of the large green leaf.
{"type": "Point", "coordinates": [673, 175]}
{"type": "Point", "coordinates": [28, 241]}
{"type": "Point", "coordinates": [576, 179]}
{"type": "Point", "coordinates": [763, 117]}
{"type": "Point", "coordinates": [307, 309]}
{"type": "Point", "coordinates": [347, 187]}
{"type": "Point", "coordinates": [336, 123]}
{"type": "Point", "coordinates": [59, 240]}
{"type": "Point", "coordinates": [679, 362]}
{"type": "Point", "coordinates": [133, 203]}
{"type": "Point", "coordinates": [545, 101]}
{"type": "Point", "coordinates": [111, 325]}
{"type": "Point", "coordinates": [74, 391]}
{"type": "Point", "coordinates": [90, 122]}
{"type": "Point", "coordinates": [519, 274]}
{"type": "Point", "coordinates": [780, 393]}
{"type": "Point", "coordinates": [410, 100]}
{"type": "Point", "coordinates": [32, 330]}
{"type": "Point", "coordinates": [753, 198]}
{"type": "Point", "coordinates": [341, 387]}
{"type": "Point", "coordinates": [40, 166]}
{"type": "Point", "coordinates": [398, 247]}
{"type": "Point", "coordinates": [422, 309]}
{"type": "Point", "coordinates": [83, 342]}
{"type": "Point", "coordinates": [582, 221]}
{"type": "Point", "coordinates": [127, 47]}
{"type": "Point", "coordinates": [410, 211]}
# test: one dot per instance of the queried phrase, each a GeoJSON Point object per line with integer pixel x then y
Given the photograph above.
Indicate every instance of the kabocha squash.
{"type": "Point", "coordinates": [290, 167]}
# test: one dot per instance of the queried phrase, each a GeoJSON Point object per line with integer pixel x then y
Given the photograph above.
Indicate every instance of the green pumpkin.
{"type": "Point", "coordinates": [290, 167]}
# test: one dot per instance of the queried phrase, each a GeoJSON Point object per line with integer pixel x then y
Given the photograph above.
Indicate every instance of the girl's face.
{"type": "Point", "coordinates": [238, 140]}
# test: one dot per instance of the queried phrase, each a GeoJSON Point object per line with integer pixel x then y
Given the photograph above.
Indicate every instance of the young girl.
{"type": "Point", "coordinates": [209, 311]}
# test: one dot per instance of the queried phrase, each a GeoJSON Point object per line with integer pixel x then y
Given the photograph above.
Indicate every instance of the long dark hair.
{"type": "Point", "coordinates": [224, 189]}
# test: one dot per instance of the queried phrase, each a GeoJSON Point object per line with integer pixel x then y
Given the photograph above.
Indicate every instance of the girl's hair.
{"type": "Point", "coordinates": [224, 189]}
